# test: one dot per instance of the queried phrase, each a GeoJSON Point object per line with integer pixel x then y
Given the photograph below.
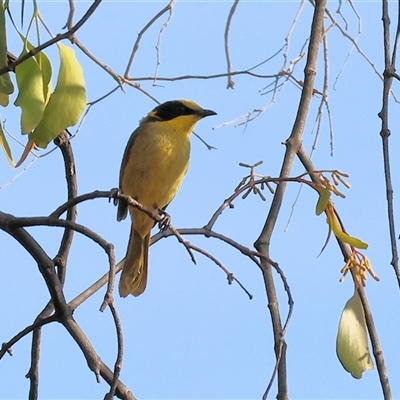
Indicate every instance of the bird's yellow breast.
{"type": "Point", "coordinates": [157, 162]}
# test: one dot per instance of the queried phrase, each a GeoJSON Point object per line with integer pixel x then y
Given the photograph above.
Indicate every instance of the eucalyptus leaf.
{"type": "Point", "coordinates": [66, 103]}
{"type": "Point", "coordinates": [324, 196]}
{"type": "Point", "coordinates": [5, 147]}
{"type": "Point", "coordinates": [31, 94]}
{"type": "Point", "coordinates": [6, 86]}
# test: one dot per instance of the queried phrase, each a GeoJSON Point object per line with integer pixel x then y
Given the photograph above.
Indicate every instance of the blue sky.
{"type": "Point", "coordinates": [190, 335]}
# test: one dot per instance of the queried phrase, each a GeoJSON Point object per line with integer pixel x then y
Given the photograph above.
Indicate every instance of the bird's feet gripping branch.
{"type": "Point", "coordinates": [165, 222]}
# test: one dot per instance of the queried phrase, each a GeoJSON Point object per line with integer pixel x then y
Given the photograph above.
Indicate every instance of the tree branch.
{"type": "Point", "coordinates": [262, 244]}
{"type": "Point", "coordinates": [60, 36]}
{"type": "Point", "coordinates": [385, 133]}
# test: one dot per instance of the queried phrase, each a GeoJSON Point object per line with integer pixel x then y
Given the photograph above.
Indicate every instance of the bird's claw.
{"type": "Point", "coordinates": [165, 222]}
{"type": "Point", "coordinates": [114, 193]}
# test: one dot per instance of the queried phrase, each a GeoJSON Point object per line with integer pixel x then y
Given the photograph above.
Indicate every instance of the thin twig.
{"type": "Point", "coordinates": [61, 36]}
{"type": "Point", "coordinates": [92, 289]}
{"type": "Point", "coordinates": [289, 34]}
{"type": "Point", "coordinates": [353, 41]}
{"type": "Point", "coordinates": [231, 83]}
{"type": "Point", "coordinates": [37, 324]}
{"type": "Point", "coordinates": [120, 349]}
{"type": "Point", "coordinates": [71, 13]}
{"type": "Point", "coordinates": [357, 47]}
{"type": "Point", "coordinates": [163, 26]}
{"type": "Point", "coordinates": [33, 373]}
{"type": "Point", "coordinates": [396, 39]}
{"type": "Point", "coordinates": [109, 297]}
{"type": "Point", "coordinates": [79, 199]}
{"type": "Point", "coordinates": [385, 133]}
{"type": "Point", "coordinates": [140, 35]}
{"type": "Point", "coordinates": [100, 63]}
{"type": "Point", "coordinates": [49, 221]}
{"type": "Point", "coordinates": [61, 258]}
{"type": "Point", "coordinates": [211, 76]}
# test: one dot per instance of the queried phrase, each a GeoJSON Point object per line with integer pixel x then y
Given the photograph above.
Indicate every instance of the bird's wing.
{"type": "Point", "coordinates": [122, 211]}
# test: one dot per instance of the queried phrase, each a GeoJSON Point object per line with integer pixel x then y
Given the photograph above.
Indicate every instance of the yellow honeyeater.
{"type": "Point", "coordinates": [155, 161]}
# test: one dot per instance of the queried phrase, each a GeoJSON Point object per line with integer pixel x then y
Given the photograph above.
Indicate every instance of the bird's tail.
{"type": "Point", "coordinates": [134, 274]}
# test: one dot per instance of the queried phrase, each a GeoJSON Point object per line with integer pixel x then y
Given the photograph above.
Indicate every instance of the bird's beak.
{"type": "Point", "coordinates": [206, 113]}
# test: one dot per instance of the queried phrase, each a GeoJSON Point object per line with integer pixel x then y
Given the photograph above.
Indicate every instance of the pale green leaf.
{"type": "Point", "coordinates": [31, 94]}
{"type": "Point", "coordinates": [66, 103]}
{"type": "Point", "coordinates": [337, 230]}
{"type": "Point", "coordinates": [351, 240]}
{"type": "Point", "coordinates": [5, 147]}
{"type": "Point", "coordinates": [352, 342]}
{"type": "Point", "coordinates": [324, 196]}
{"type": "Point", "coordinates": [6, 85]}
{"type": "Point", "coordinates": [44, 65]}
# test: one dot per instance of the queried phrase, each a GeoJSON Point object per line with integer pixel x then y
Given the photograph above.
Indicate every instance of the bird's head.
{"type": "Point", "coordinates": [180, 115]}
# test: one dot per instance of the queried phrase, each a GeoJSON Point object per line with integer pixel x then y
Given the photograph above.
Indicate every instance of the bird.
{"type": "Point", "coordinates": [155, 161]}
